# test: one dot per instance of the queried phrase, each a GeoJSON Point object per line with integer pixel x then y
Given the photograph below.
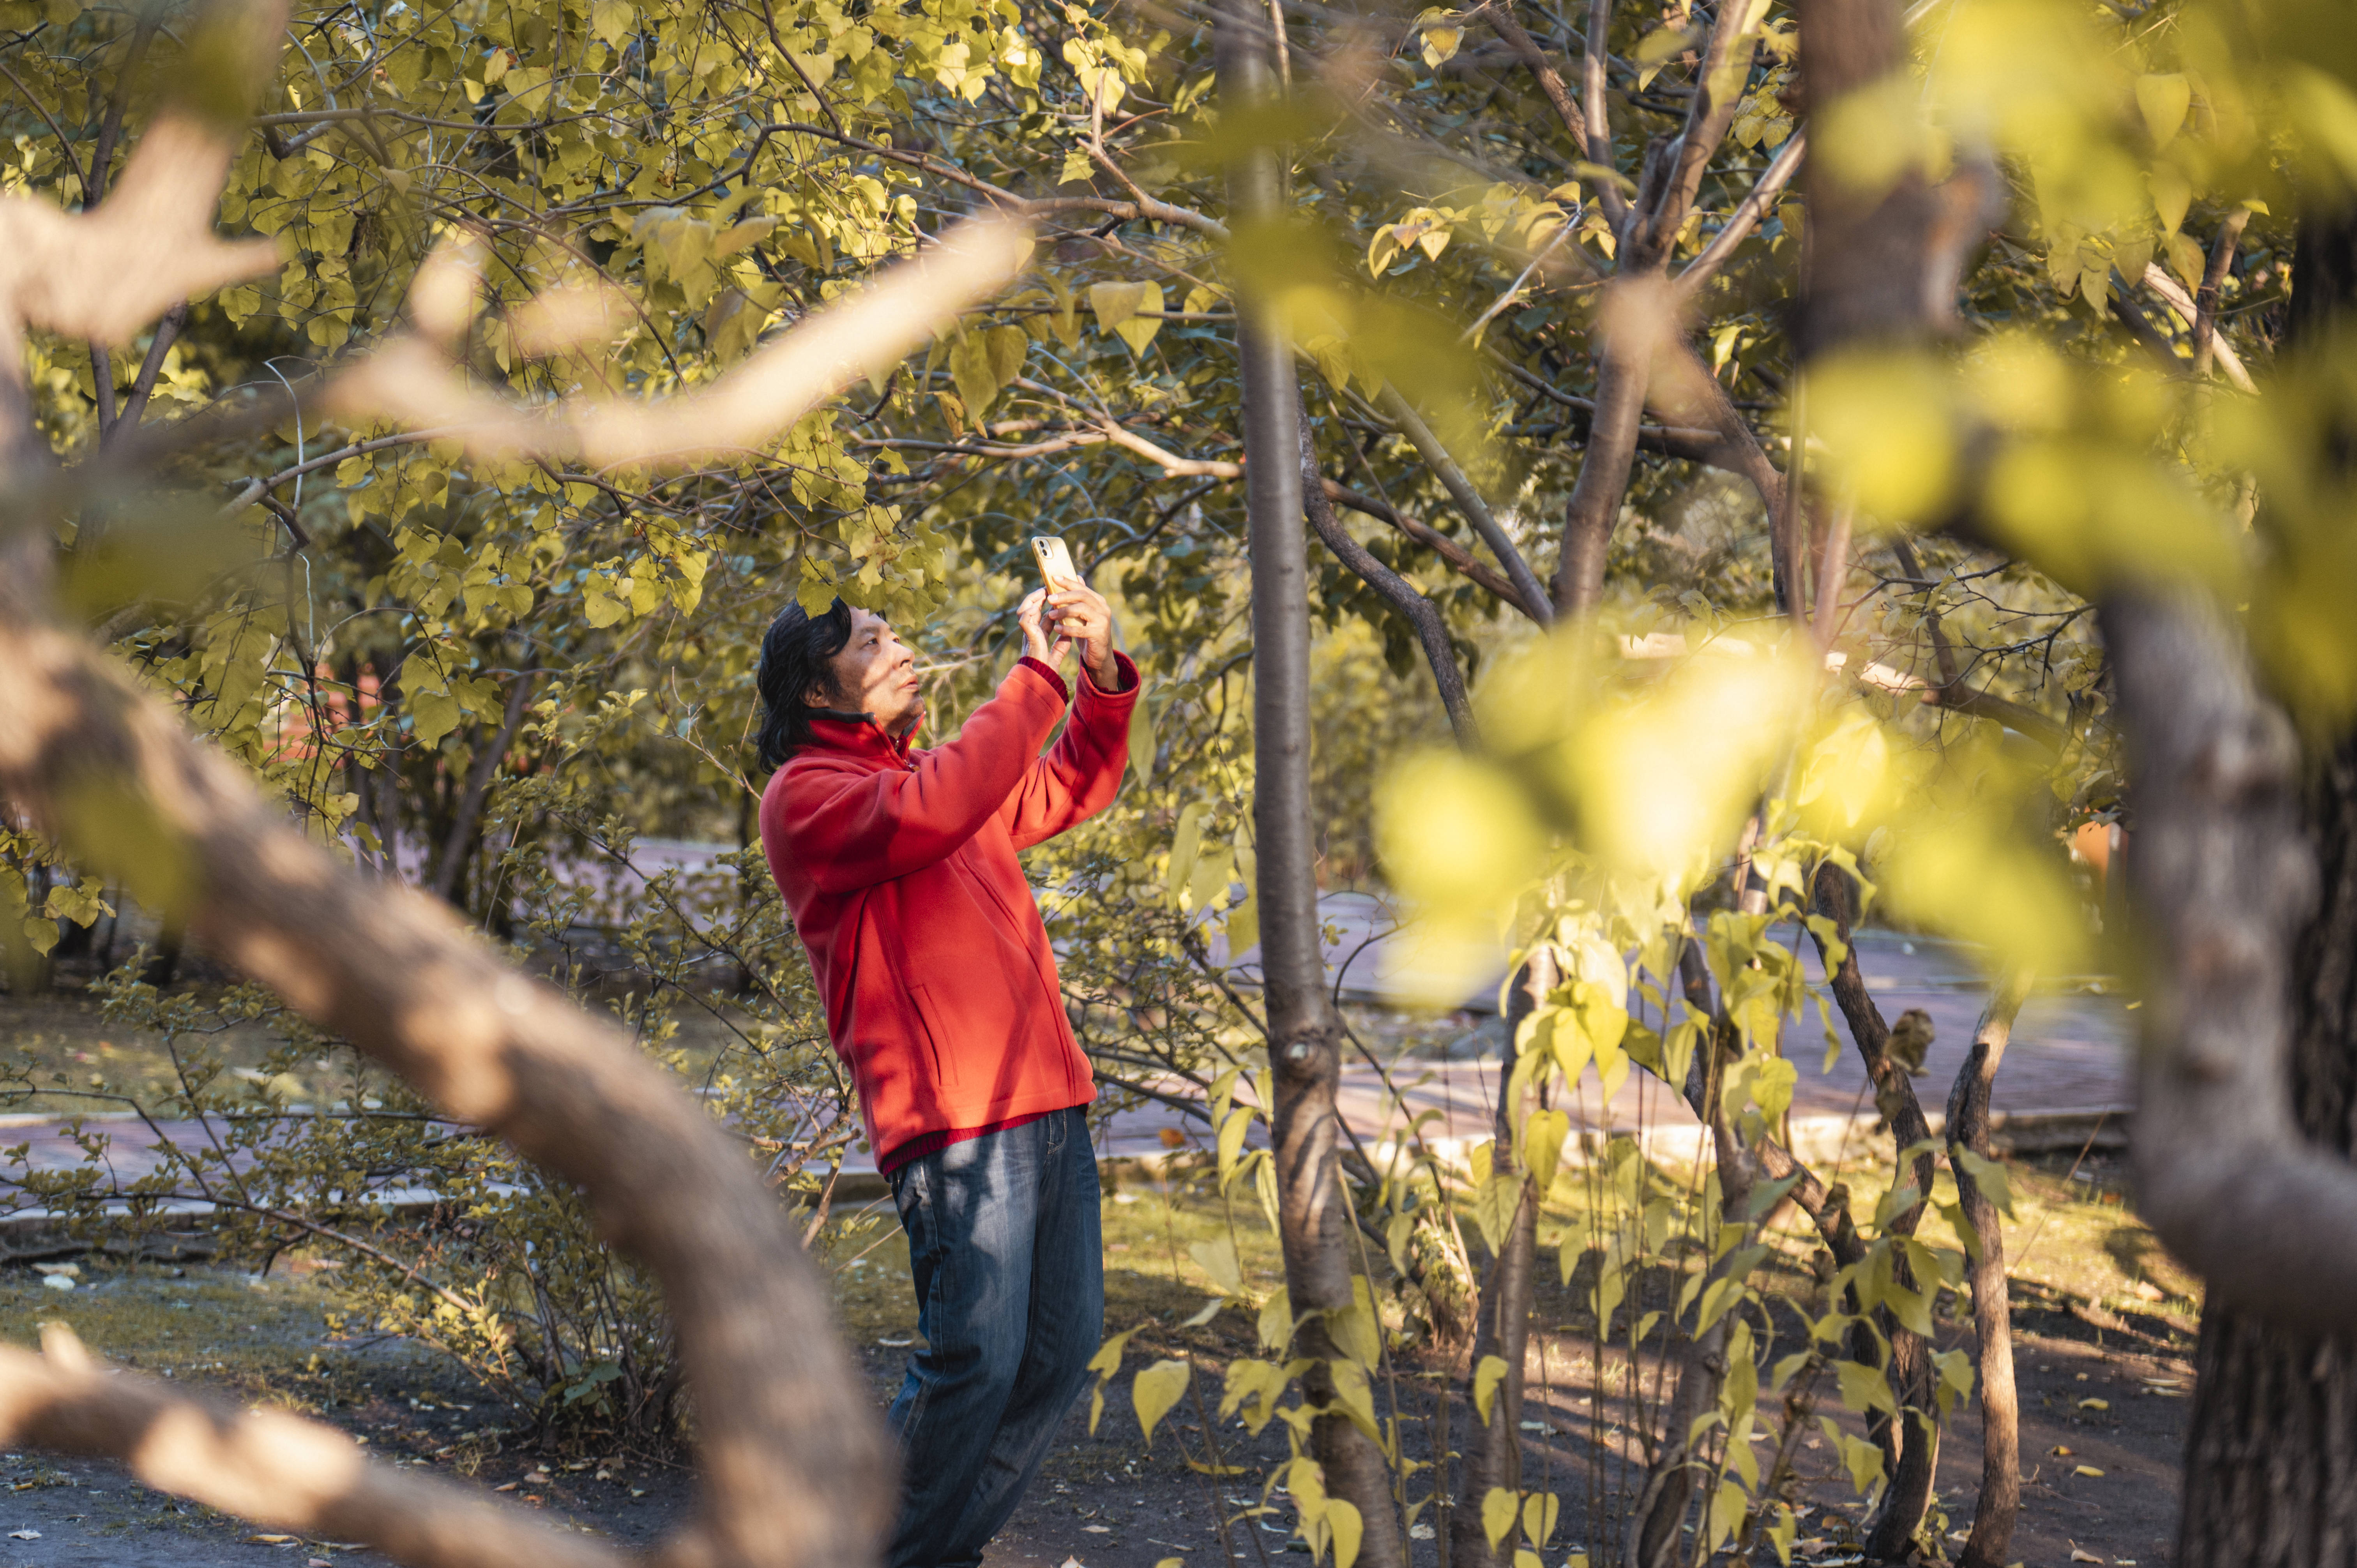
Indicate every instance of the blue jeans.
{"type": "Point", "coordinates": [1005, 1246]}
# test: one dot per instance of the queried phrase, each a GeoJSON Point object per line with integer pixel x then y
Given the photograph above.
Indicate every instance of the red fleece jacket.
{"type": "Point", "coordinates": [899, 867]}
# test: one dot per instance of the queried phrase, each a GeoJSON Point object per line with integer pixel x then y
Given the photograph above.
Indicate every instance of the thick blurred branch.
{"type": "Point", "coordinates": [795, 1461]}
{"type": "Point", "coordinates": [266, 1465]}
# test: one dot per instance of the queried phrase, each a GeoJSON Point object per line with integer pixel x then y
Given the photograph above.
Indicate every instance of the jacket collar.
{"type": "Point", "coordinates": [857, 735]}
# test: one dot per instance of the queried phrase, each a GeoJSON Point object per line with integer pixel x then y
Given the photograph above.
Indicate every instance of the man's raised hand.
{"type": "Point", "coordinates": [1082, 616]}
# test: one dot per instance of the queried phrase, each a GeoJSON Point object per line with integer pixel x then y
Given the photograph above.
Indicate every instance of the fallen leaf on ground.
{"type": "Point", "coordinates": [509, 1487]}
{"type": "Point", "coordinates": [2079, 1557]}
{"type": "Point", "coordinates": [2094, 1404]}
{"type": "Point", "coordinates": [273, 1540]}
{"type": "Point", "coordinates": [2088, 1470]}
{"type": "Point", "coordinates": [1096, 1530]}
{"type": "Point", "coordinates": [2060, 1451]}
{"type": "Point", "coordinates": [23, 1535]}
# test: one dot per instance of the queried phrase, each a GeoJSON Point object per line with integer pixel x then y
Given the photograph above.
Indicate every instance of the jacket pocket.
{"type": "Point", "coordinates": [938, 1044]}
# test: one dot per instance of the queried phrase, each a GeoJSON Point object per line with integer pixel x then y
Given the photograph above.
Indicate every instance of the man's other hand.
{"type": "Point", "coordinates": [1030, 616]}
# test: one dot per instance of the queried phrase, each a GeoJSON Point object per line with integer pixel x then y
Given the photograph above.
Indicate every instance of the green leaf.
{"type": "Point", "coordinates": [1544, 1135]}
{"type": "Point", "coordinates": [432, 715]}
{"type": "Point", "coordinates": [1865, 1388]}
{"type": "Point", "coordinates": [1991, 1176]}
{"type": "Point", "coordinates": [1217, 1258]}
{"type": "Point", "coordinates": [1155, 1390]}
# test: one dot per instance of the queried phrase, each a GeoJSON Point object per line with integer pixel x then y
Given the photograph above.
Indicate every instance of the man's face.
{"type": "Point", "coordinates": [875, 673]}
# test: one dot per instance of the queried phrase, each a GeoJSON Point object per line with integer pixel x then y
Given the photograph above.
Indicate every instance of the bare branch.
{"type": "Point", "coordinates": [1459, 559]}
{"type": "Point", "coordinates": [1431, 631]}
{"type": "Point", "coordinates": [2213, 279]}
{"type": "Point", "coordinates": [1745, 217]}
{"type": "Point", "coordinates": [1469, 500]}
{"type": "Point", "coordinates": [2173, 291]}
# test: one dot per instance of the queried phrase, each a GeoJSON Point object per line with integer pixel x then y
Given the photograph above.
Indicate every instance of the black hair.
{"type": "Point", "coordinates": [794, 655]}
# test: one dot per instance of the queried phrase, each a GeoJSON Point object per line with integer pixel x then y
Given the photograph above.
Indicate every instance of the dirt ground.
{"type": "Point", "coordinates": [2101, 1315]}
{"type": "Point", "coordinates": [2100, 1479]}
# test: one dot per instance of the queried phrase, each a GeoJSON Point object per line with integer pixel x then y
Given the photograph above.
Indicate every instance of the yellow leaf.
{"type": "Point", "coordinates": [1343, 1521]}
{"type": "Point", "coordinates": [2172, 193]}
{"type": "Point", "coordinates": [1485, 1379]}
{"type": "Point", "coordinates": [1232, 1142]}
{"type": "Point", "coordinates": [1275, 1323]}
{"type": "Point", "coordinates": [1498, 1511]}
{"type": "Point", "coordinates": [1539, 1512]}
{"type": "Point", "coordinates": [1543, 1139]}
{"type": "Point", "coordinates": [610, 21]}
{"type": "Point", "coordinates": [970, 369]}
{"type": "Point", "coordinates": [2163, 101]}
{"type": "Point", "coordinates": [2087, 1470]}
{"type": "Point", "coordinates": [1116, 303]}
{"type": "Point", "coordinates": [1008, 347]}
{"type": "Point", "coordinates": [1154, 1391]}
{"type": "Point", "coordinates": [1139, 329]}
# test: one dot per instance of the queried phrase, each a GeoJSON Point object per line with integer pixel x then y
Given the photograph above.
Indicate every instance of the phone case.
{"type": "Point", "coordinates": [1054, 558]}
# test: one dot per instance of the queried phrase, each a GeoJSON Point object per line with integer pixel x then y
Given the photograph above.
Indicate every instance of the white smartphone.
{"type": "Point", "coordinates": [1055, 562]}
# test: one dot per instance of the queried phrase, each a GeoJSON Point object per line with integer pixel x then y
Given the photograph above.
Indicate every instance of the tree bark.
{"type": "Point", "coordinates": [460, 842]}
{"type": "Point", "coordinates": [1968, 1128]}
{"type": "Point", "coordinates": [1882, 262]}
{"type": "Point", "coordinates": [1639, 311]}
{"type": "Point", "coordinates": [2271, 1460]}
{"type": "Point", "coordinates": [1304, 1036]}
{"type": "Point", "coordinates": [1493, 1452]}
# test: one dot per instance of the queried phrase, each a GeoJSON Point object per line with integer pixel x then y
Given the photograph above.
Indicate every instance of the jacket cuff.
{"type": "Point", "coordinates": [1124, 672]}
{"type": "Point", "coordinates": [1063, 691]}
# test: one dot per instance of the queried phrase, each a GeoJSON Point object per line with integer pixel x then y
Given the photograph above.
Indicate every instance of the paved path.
{"type": "Point", "coordinates": [2068, 1062]}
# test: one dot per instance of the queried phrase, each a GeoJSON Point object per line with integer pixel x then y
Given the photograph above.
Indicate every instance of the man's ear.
{"type": "Point", "coordinates": [818, 697]}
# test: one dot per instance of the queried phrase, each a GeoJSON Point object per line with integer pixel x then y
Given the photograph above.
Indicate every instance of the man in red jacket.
{"type": "Point", "coordinates": [898, 867]}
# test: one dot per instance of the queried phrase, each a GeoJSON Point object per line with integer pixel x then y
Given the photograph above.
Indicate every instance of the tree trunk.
{"type": "Point", "coordinates": [1493, 1452]}
{"type": "Point", "coordinates": [1304, 1036]}
{"type": "Point", "coordinates": [1912, 1445]}
{"type": "Point", "coordinates": [1968, 1128]}
{"type": "Point", "coordinates": [2271, 1460]}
